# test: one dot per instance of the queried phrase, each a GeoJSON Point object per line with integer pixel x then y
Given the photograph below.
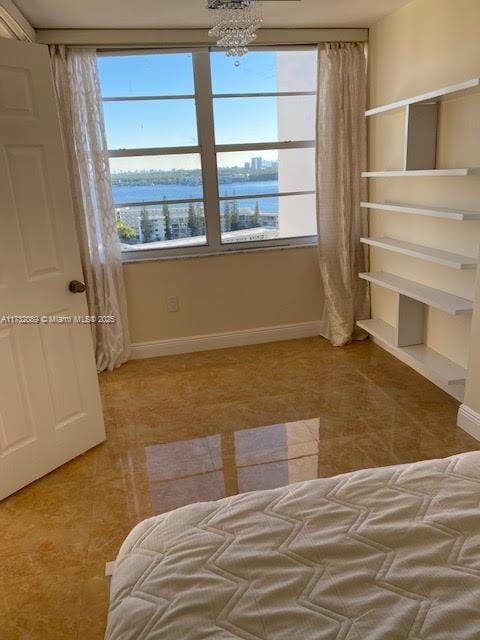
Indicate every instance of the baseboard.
{"type": "Point", "coordinates": [469, 421]}
{"type": "Point", "coordinates": [211, 341]}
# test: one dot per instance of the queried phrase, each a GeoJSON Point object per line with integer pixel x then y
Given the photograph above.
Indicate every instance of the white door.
{"type": "Point", "coordinates": [50, 408]}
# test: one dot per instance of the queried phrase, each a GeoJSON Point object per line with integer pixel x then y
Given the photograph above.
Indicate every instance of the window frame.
{"type": "Point", "coordinates": [207, 149]}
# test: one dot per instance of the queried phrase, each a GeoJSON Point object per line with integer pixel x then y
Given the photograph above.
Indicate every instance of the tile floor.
{"type": "Point", "coordinates": [199, 427]}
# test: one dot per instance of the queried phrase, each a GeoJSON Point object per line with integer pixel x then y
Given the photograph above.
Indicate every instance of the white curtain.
{"type": "Point", "coordinates": [81, 113]}
{"type": "Point", "coordinates": [341, 157]}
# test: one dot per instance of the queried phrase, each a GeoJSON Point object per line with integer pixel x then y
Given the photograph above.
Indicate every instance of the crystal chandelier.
{"type": "Point", "coordinates": [236, 25]}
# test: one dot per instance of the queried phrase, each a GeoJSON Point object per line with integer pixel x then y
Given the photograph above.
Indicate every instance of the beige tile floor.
{"type": "Point", "coordinates": [199, 427]}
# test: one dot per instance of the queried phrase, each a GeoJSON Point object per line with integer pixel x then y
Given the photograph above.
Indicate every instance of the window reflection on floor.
{"type": "Point", "coordinates": [213, 467]}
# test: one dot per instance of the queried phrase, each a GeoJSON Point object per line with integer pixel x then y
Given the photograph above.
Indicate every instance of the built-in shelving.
{"type": "Point", "coordinates": [453, 260]}
{"type": "Point", "coordinates": [437, 298]}
{"type": "Point", "coordinates": [407, 338]}
{"type": "Point", "coordinates": [425, 173]}
{"type": "Point", "coordinates": [450, 214]}
{"type": "Point", "coordinates": [438, 95]}
{"type": "Point", "coordinates": [419, 356]}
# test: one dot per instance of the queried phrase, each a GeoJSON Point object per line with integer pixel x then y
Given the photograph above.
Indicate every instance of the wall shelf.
{"type": "Point", "coordinates": [379, 329]}
{"type": "Point", "coordinates": [406, 339]}
{"type": "Point", "coordinates": [445, 258]}
{"type": "Point", "coordinates": [450, 214]}
{"type": "Point", "coordinates": [437, 298]}
{"type": "Point", "coordinates": [474, 171]}
{"type": "Point", "coordinates": [438, 95]}
{"type": "Point", "coordinates": [418, 356]}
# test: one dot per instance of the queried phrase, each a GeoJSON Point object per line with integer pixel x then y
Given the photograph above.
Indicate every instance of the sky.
{"type": "Point", "coordinates": [164, 123]}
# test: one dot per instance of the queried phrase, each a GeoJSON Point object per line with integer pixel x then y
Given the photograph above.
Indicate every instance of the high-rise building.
{"type": "Point", "coordinates": [247, 166]}
{"type": "Point", "coordinates": [257, 164]}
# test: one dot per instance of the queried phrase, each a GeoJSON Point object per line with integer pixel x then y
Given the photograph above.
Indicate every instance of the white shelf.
{"type": "Point", "coordinates": [474, 171]}
{"type": "Point", "coordinates": [451, 214]}
{"type": "Point", "coordinates": [419, 356]}
{"type": "Point", "coordinates": [453, 260]}
{"type": "Point", "coordinates": [379, 329]}
{"type": "Point", "coordinates": [433, 96]}
{"type": "Point", "coordinates": [433, 297]}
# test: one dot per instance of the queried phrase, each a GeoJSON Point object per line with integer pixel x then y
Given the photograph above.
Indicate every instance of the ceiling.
{"type": "Point", "coordinates": [124, 14]}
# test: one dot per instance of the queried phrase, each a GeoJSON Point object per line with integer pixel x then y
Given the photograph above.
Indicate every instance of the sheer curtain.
{"type": "Point", "coordinates": [341, 157]}
{"type": "Point", "coordinates": [81, 112]}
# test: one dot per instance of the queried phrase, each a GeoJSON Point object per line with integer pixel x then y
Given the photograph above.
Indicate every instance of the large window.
{"type": "Point", "coordinates": [208, 157]}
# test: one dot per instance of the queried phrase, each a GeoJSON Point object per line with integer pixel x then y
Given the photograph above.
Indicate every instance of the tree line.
{"type": "Point", "coordinates": [195, 222]}
{"type": "Point", "coordinates": [231, 217]}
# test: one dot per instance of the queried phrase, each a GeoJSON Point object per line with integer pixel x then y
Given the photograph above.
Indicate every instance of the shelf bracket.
{"type": "Point", "coordinates": [421, 126]}
{"type": "Point", "coordinates": [410, 325]}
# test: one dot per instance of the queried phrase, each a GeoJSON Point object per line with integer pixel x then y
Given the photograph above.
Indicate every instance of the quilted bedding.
{"type": "Point", "coordinates": [381, 554]}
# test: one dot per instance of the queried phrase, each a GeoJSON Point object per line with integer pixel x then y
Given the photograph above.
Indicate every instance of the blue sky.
{"type": "Point", "coordinates": [172, 122]}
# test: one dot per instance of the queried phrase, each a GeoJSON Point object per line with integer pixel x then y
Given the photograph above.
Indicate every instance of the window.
{"type": "Point", "coordinates": [206, 156]}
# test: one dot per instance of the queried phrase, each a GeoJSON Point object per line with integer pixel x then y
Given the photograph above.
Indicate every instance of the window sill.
{"type": "Point", "coordinates": [225, 252]}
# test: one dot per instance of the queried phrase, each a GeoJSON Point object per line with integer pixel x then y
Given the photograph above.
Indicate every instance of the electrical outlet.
{"type": "Point", "coordinates": [172, 304]}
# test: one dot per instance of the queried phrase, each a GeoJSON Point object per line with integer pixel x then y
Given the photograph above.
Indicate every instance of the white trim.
{"type": "Point", "coordinates": [191, 37]}
{"type": "Point", "coordinates": [189, 344]}
{"type": "Point", "coordinates": [469, 421]}
{"type": "Point", "coordinates": [209, 250]}
{"type": "Point", "coordinates": [235, 249]}
{"type": "Point", "coordinates": [16, 22]}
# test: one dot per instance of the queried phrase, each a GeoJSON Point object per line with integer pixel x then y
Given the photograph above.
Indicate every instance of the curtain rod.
{"type": "Point", "coordinates": [104, 38]}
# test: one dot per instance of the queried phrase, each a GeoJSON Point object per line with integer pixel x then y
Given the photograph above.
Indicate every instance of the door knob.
{"type": "Point", "coordinates": [76, 286]}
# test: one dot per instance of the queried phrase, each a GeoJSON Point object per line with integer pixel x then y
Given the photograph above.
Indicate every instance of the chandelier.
{"type": "Point", "coordinates": [236, 25]}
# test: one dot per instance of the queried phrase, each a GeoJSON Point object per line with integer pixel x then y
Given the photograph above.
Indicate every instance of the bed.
{"type": "Point", "coordinates": [380, 554]}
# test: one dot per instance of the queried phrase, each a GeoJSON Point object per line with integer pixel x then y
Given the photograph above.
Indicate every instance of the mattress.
{"type": "Point", "coordinates": [381, 554]}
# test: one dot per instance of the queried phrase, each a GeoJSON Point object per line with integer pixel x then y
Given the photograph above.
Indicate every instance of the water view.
{"type": "Point", "coordinates": [147, 212]}
{"type": "Point", "coordinates": [128, 193]}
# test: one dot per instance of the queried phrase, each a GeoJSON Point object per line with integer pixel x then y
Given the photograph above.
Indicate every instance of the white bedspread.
{"type": "Point", "coordinates": [390, 554]}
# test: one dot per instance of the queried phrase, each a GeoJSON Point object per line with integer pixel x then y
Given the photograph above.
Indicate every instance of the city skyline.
{"type": "Point", "coordinates": [266, 163]}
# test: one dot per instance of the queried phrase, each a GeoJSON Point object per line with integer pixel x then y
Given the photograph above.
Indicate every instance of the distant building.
{"type": "Point", "coordinates": [269, 164]}
{"type": "Point", "coordinates": [178, 218]}
{"type": "Point", "coordinates": [269, 220]}
{"type": "Point", "coordinates": [257, 164]}
{"type": "Point", "coordinates": [247, 166]}
{"type": "Point", "coordinates": [131, 216]}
